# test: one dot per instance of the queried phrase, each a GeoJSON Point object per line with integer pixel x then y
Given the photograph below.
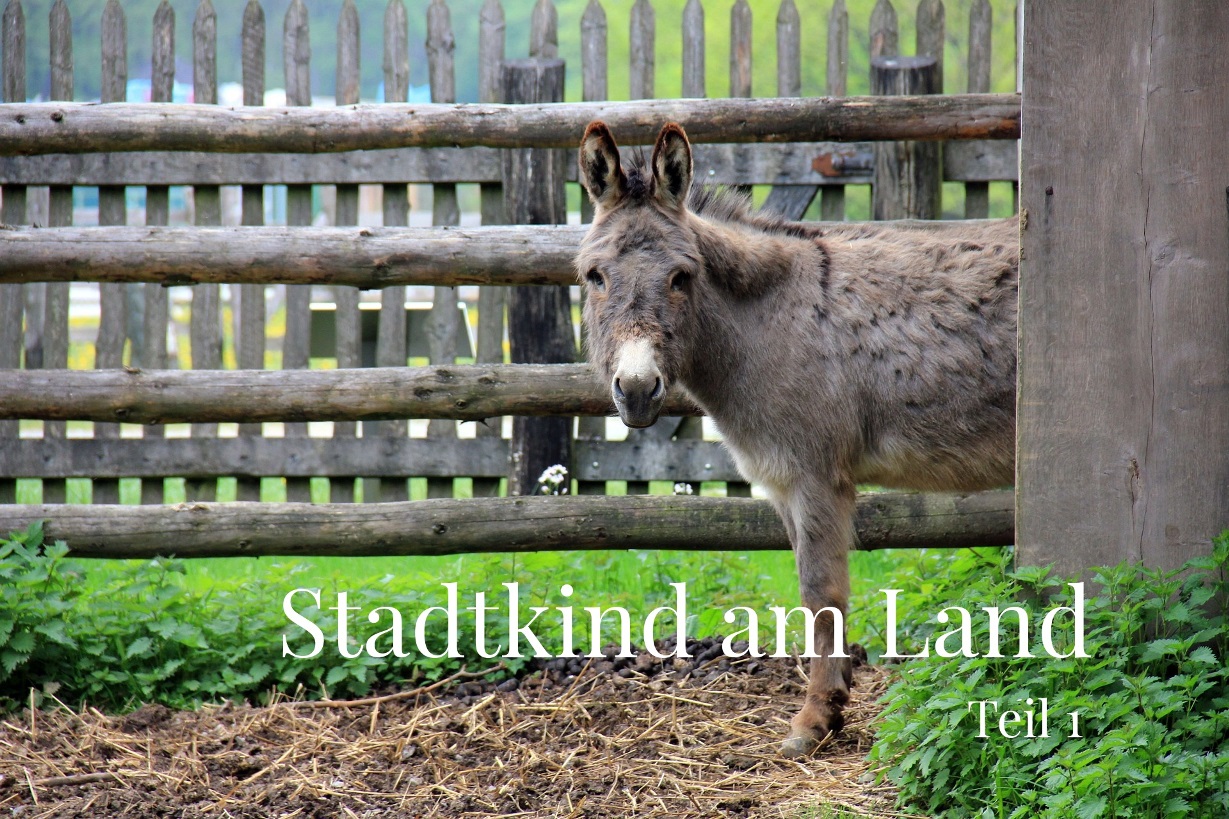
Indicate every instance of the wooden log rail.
{"type": "Point", "coordinates": [75, 128]}
{"type": "Point", "coordinates": [526, 524]}
{"type": "Point", "coordinates": [462, 392]}
{"type": "Point", "coordinates": [365, 257]}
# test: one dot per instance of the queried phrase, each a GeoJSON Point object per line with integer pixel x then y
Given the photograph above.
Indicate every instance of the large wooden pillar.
{"type": "Point", "coordinates": [1123, 411]}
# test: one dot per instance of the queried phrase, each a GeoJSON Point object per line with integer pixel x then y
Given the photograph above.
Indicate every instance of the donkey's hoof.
{"type": "Point", "coordinates": [795, 747]}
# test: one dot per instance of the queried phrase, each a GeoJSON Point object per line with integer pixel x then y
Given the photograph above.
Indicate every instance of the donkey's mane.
{"type": "Point", "coordinates": [716, 203]}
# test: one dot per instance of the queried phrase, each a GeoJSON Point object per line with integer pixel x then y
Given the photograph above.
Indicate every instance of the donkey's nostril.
{"type": "Point", "coordinates": [656, 388]}
{"type": "Point", "coordinates": [618, 390]}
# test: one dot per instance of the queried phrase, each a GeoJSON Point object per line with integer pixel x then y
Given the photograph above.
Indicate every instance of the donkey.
{"type": "Point", "coordinates": [827, 355]}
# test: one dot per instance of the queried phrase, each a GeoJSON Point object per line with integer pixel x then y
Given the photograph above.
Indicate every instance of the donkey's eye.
{"type": "Point", "coordinates": [680, 280]}
{"type": "Point", "coordinates": [594, 278]}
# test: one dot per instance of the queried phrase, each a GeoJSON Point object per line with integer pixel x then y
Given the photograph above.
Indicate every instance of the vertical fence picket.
{"type": "Point", "coordinates": [931, 32]}
{"type": "Point", "coordinates": [348, 330]}
{"type": "Point", "coordinates": [789, 50]}
{"type": "Point", "coordinates": [442, 324]}
{"type": "Point", "coordinates": [1018, 41]}
{"type": "Point", "coordinates": [13, 80]}
{"type": "Point", "coordinates": [977, 194]}
{"type": "Point", "coordinates": [491, 300]}
{"type": "Point", "coordinates": [53, 334]}
{"type": "Point", "coordinates": [539, 318]}
{"type": "Point", "coordinates": [594, 70]}
{"type": "Point", "coordinates": [152, 351]}
{"type": "Point", "coordinates": [13, 212]}
{"type": "Point", "coordinates": [113, 318]}
{"type": "Point", "coordinates": [544, 30]}
{"type": "Point", "coordinates": [740, 49]}
{"type": "Point", "coordinates": [693, 49]}
{"type": "Point", "coordinates": [642, 50]}
{"type": "Point", "coordinates": [296, 52]}
{"type": "Point", "coordinates": [832, 203]}
{"type": "Point", "coordinates": [250, 315]}
{"type": "Point", "coordinates": [391, 338]}
{"type": "Point", "coordinates": [885, 40]}
{"type": "Point", "coordinates": [790, 200]}
{"type": "Point", "coordinates": [205, 328]}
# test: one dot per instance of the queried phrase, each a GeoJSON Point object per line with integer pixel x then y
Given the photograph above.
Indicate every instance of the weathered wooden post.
{"type": "Point", "coordinates": [1123, 407]}
{"type": "Point", "coordinates": [491, 300]}
{"type": "Point", "coordinates": [908, 175]}
{"type": "Point", "coordinates": [13, 212]}
{"type": "Point", "coordinates": [539, 318]}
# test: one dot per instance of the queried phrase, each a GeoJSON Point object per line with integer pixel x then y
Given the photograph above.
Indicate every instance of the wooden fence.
{"type": "Point", "coordinates": [371, 451]}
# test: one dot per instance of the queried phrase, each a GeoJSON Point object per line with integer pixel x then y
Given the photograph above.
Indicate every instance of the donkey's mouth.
{"type": "Point", "coordinates": [637, 424]}
{"type": "Point", "coordinates": [639, 408]}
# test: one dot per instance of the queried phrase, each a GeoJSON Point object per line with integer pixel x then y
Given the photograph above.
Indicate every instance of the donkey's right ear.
{"type": "Point", "coordinates": [600, 170]}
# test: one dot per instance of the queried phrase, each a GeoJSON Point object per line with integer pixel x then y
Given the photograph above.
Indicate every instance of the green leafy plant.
{"type": "Point", "coordinates": [1153, 699]}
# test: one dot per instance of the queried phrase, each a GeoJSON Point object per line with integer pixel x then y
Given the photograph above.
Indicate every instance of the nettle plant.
{"type": "Point", "coordinates": [1153, 699]}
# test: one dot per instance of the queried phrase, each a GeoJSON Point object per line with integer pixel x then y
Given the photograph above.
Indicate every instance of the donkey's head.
{"type": "Point", "coordinates": [639, 265]}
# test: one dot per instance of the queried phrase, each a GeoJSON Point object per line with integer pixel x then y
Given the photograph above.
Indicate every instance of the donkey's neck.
{"type": "Point", "coordinates": [747, 280]}
{"type": "Point", "coordinates": [749, 261]}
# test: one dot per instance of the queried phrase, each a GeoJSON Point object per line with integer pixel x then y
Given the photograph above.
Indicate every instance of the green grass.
{"type": "Point", "coordinates": [1153, 699]}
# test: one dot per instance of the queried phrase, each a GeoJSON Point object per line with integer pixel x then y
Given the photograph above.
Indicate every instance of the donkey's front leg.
{"type": "Point", "coordinates": [821, 531]}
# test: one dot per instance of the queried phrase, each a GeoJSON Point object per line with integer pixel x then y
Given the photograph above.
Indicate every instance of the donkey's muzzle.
{"type": "Point", "coordinates": [638, 387]}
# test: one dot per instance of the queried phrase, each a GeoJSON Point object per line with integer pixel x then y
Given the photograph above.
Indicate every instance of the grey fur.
{"type": "Point", "coordinates": [828, 357]}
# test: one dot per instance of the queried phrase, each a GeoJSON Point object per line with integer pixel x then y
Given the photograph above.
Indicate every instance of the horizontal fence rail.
{"type": "Point", "coordinates": [294, 458]}
{"type": "Point", "coordinates": [447, 526]}
{"type": "Point", "coordinates": [791, 163]}
{"type": "Point", "coordinates": [74, 128]}
{"type": "Point", "coordinates": [362, 257]}
{"type": "Point", "coordinates": [463, 392]}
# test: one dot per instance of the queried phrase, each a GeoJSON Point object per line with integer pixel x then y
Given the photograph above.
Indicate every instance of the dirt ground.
{"type": "Point", "coordinates": [621, 738]}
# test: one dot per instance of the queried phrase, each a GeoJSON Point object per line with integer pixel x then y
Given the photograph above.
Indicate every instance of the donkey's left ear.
{"type": "Point", "coordinates": [672, 166]}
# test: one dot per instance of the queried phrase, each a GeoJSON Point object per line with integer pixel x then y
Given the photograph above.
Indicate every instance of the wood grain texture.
{"type": "Point", "coordinates": [359, 257]}
{"type": "Point", "coordinates": [977, 194]}
{"type": "Point", "coordinates": [931, 34]}
{"type": "Point", "coordinates": [443, 324]}
{"type": "Point", "coordinates": [296, 56]}
{"type": "Point", "coordinates": [13, 35]}
{"type": "Point", "coordinates": [738, 164]}
{"type": "Point", "coordinates": [593, 52]}
{"type": "Point", "coordinates": [491, 300]}
{"type": "Point", "coordinates": [832, 205]}
{"type": "Point", "coordinates": [740, 49]}
{"type": "Point", "coordinates": [52, 351]}
{"type": "Point", "coordinates": [1123, 407]}
{"type": "Point", "coordinates": [348, 330]}
{"type": "Point", "coordinates": [539, 319]}
{"type": "Point", "coordinates": [250, 312]}
{"type": "Point", "coordinates": [789, 50]}
{"type": "Point", "coordinates": [399, 458]}
{"type": "Point", "coordinates": [13, 212]}
{"type": "Point", "coordinates": [113, 303]}
{"type": "Point", "coordinates": [642, 52]}
{"type": "Point", "coordinates": [43, 128]}
{"type": "Point", "coordinates": [908, 174]}
{"type": "Point", "coordinates": [693, 49]}
{"type": "Point", "coordinates": [544, 30]}
{"type": "Point", "coordinates": [440, 527]}
{"type": "Point", "coordinates": [885, 37]}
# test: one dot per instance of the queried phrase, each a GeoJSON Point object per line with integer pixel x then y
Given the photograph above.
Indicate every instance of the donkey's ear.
{"type": "Point", "coordinates": [600, 170]}
{"type": "Point", "coordinates": [672, 166]}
